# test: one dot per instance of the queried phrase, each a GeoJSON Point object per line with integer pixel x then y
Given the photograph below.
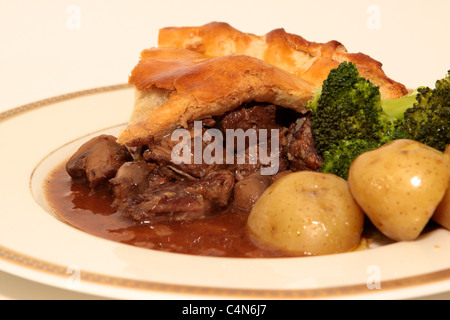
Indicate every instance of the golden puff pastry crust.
{"type": "Point", "coordinates": [175, 86]}
{"type": "Point", "coordinates": [310, 61]}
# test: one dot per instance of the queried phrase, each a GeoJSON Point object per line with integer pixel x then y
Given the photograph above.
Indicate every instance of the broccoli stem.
{"type": "Point", "coordinates": [395, 108]}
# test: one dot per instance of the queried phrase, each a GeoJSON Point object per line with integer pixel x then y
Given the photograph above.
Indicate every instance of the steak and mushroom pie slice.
{"type": "Point", "coordinates": [177, 86]}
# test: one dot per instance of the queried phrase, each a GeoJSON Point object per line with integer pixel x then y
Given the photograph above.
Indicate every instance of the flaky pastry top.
{"type": "Point", "coordinates": [175, 86]}
{"type": "Point", "coordinates": [310, 61]}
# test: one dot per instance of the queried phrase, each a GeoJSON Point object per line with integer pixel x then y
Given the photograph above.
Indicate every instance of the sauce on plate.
{"type": "Point", "coordinates": [223, 234]}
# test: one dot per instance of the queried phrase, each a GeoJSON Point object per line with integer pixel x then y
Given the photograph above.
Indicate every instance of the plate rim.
{"type": "Point", "coordinates": [35, 264]}
{"type": "Point", "coordinates": [341, 292]}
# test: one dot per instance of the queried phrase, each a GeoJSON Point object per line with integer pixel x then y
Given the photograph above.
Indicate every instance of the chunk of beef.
{"type": "Point", "coordinates": [135, 177]}
{"type": "Point", "coordinates": [98, 160]}
{"type": "Point", "coordinates": [181, 200]}
{"type": "Point", "coordinates": [257, 117]}
{"type": "Point", "coordinates": [300, 149]}
{"type": "Point", "coordinates": [160, 151]}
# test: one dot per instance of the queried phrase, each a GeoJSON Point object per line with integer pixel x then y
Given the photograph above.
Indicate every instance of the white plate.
{"type": "Point", "coordinates": [36, 245]}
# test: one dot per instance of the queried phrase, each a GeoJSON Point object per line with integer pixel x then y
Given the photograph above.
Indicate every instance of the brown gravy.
{"type": "Point", "coordinates": [224, 234]}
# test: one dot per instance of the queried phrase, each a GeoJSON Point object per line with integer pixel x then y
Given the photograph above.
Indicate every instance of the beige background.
{"type": "Point", "coordinates": [46, 50]}
{"type": "Point", "coordinates": [50, 48]}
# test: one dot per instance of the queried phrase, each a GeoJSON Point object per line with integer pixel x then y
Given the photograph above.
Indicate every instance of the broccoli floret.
{"type": "Point", "coordinates": [347, 107]}
{"type": "Point", "coordinates": [392, 117]}
{"type": "Point", "coordinates": [349, 117]}
{"type": "Point", "coordinates": [428, 120]}
{"type": "Point", "coordinates": [338, 158]}
{"type": "Point", "coordinates": [423, 115]}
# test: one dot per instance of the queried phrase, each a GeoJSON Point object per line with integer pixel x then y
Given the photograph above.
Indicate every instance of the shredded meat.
{"type": "Point", "coordinates": [160, 151]}
{"type": "Point", "coordinates": [300, 151]}
{"type": "Point", "coordinates": [256, 117]}
{"type": "Point", "coordinates": [181, 200]}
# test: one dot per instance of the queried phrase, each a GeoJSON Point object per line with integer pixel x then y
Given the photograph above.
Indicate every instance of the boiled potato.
{"type": "Point", "coordinates": [307, 213]}
{"type": "Point", "coordinates": [399, 186]}
{"type": "Point", "coordinates": [442, 214]}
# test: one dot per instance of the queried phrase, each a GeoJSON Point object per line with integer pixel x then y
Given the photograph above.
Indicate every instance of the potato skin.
{"type": "Point", "coordinates": [442, 213]}
{"type": "Point", "coordinates": [399, 186]}
{"type": "Point", "coordinates": [307, 213]}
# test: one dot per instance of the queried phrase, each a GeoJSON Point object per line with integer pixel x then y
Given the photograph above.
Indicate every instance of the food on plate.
{"type": "Point", "coordinates": [175, 87]}
{"type": "Point", "coordinates": [230, 131]}
{"type": "Point", "coordinates": [442, 214]}
{"type": "Point", "coordinates": [428, 120]}
{"type": "Point", "coordinates": [308, 213]}
{"type": "Point", "coordinates": [399, 186]}
{"type": "Point", "coordinates": [349, 117]}
{"type": "Point", "coordinates": [188, 101]}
